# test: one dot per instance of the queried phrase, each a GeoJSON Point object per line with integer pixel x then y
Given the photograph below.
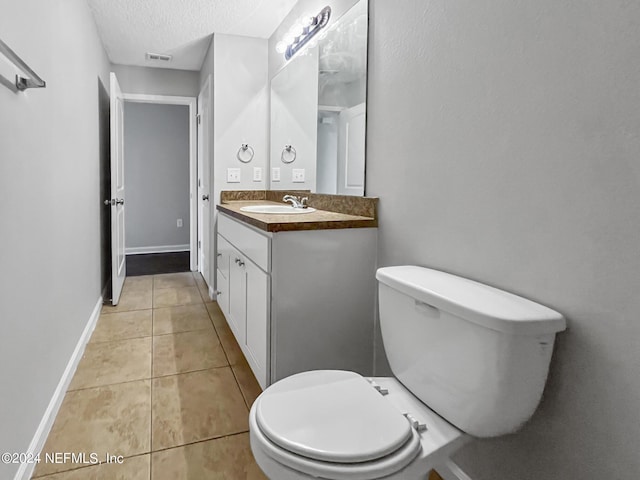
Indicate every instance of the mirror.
{"type": "Point", "coordinates": [318, 111]}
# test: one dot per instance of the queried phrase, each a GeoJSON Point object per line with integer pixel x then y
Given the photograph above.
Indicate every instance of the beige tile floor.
{"type": "Point", "coordinates": [164, 384]}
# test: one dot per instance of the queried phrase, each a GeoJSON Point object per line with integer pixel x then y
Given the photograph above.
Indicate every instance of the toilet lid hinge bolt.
{"type": "Point", "coordinates": [381, 390]}
{"type": "Point", "coordinates": [419, 427]}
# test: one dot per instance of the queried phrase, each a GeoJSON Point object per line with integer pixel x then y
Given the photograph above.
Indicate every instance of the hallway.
{"type": "Point", "coordinates": [164, 384]}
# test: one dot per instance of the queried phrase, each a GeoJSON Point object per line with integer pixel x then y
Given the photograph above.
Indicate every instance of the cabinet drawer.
{"type": "Point", "coordinates": [252, 244]}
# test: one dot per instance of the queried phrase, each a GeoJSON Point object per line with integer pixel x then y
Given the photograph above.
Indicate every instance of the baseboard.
{"type": "Point", "coordinates": [157, 249]}
{"type": "Point", "coordinates": [37, 443]}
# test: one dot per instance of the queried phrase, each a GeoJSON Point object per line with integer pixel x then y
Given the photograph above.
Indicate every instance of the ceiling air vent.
{"type": "Point", "coordinates": [158, 56]}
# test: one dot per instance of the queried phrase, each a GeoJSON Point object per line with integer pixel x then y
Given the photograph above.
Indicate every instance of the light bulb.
{"type": "Point", "coordinates": [296, 30]}
{"type": "Point", "coordinates": [307, 20]}
{"type": "Point", "coordinates": [288, 39]}
{"type": "Point", "coordinates": [281, 47]}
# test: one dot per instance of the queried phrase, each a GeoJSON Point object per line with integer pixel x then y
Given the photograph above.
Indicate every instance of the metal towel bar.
{"type": "Point", "coordinates": [33, 80]}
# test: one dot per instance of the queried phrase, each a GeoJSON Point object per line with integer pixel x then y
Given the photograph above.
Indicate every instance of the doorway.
{"type": "Point", "coordinates": [160, 174]}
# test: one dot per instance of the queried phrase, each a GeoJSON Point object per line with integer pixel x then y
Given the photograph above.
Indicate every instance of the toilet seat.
{"type": "Point", "coordinates": [333, 424]}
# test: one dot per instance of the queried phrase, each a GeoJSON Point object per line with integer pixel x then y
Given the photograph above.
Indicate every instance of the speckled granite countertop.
{"type": "Point", "coordinates": [318, 220]}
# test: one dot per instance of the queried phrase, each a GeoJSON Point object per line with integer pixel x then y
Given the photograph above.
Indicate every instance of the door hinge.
{"type": "Point", "coordinates": [199, 182]}
{"type": "Point", "coordinates": [199, 118]}
{"type": "Point", "coordinates": [199, 243]}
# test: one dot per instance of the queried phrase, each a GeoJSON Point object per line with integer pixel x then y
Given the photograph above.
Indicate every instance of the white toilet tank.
{"type": "Point", "coordinates": [476, 355]}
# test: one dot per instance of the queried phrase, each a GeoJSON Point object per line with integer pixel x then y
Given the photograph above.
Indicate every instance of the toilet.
{"type": "Point", "coordinates": [468, 360]}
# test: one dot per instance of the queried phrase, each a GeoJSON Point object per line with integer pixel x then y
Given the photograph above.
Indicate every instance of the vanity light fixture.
{"type": "Point", "coordinates": [302, 32]}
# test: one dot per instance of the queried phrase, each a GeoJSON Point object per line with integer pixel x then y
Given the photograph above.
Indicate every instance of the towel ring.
{"type": "Point", "coordinates": [291, 154]}
{"type": "Point", "coordinates": [245, 147]}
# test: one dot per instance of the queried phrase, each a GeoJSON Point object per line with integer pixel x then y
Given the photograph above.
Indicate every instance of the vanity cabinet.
{"type": "Point", "coordinates": [298, 300]}
{"type": "Point", "coordinates": [243, 295]}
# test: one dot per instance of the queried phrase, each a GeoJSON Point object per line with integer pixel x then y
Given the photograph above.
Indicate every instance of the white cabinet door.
{"type": "Point", "coordinates": [237, 295]}
{"type": "Point", "coordinates": [222, 294]}
{"type": "Point", "coordinates": [243, 256]}
{"type": "Point", "coordinates": [223, 256]}
{"type": "Point", "coordinates": [222, 274]}
{"type": "Point", "coordinates": [257, 331]}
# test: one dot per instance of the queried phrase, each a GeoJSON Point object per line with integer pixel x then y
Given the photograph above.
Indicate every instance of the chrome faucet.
{"type": "Point", "coordinates": [296, 202]}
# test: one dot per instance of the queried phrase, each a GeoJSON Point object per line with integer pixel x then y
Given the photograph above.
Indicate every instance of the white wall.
{"type": "Point", "coordinates": [503, 142]}
{"type": "Point", "coordinates": [51, 145]}
{"type": "Point", "coordinates": [157, 81]}
{"type": "Point", "coordinates": [238, 68]}
{"type": "Point", "coordinates": [156, 149]}
{"type": "Point", "coordinates": [240, 98]}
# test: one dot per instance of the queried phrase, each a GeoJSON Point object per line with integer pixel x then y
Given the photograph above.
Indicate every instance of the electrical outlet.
{"type": "Point", "coordinates": [275, 174]}
{"type": "Point", "coordinates": [179, 223]}
{"type": "Point", "coordinates": [257, 174]}
{"type": "Point", "coordinates": [297, 175]}
{"type": "Point", "coordinates": [233, 175]}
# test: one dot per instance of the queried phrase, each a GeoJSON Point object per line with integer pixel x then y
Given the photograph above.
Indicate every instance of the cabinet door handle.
{"type": "Point", "coordinates": [241, 263]}
{"type": "Point", "coordinates": [219, 254]}
{"type": "Point", "coordinates": [237, 260]}
{"type": "Point", "coordinates": [218, 292]}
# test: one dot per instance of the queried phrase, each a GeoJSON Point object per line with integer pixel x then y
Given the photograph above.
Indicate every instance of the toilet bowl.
{"type": "Point", "coordinates": [468, 360]}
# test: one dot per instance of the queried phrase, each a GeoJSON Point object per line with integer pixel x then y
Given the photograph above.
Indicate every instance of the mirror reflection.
{"type": "Point", "coordinates": [318, 111]}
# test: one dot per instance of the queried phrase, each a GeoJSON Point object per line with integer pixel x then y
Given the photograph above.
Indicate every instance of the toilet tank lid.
{"type": "Point", "coordinates": [478, 303]}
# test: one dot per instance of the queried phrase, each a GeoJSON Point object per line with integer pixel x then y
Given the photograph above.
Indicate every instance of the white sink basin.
{"type": "Point", "coordinates": [276, 209]}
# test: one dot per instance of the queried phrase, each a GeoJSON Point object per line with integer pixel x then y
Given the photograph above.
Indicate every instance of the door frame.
{"type": "Point", "coordinates": [191, 102]}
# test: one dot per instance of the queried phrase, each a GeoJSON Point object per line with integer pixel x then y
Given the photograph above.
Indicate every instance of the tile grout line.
{"type": "Point", "coordinates": [219, 339]}
{"type": "Point", "coordinates": [109, 385]}
{"type": "Point", "coordinates": [183, 331]}
{"type": "Point", "coordinates": [117, 340]}
{"type": "Point", "coordinates": [244, 397]}
{"type": "Point", "coordinates": [190, 371]}
{"type": "Point", "coordinates": [149, 378]}
{"type": "Point", "coordinates": [195, 442]}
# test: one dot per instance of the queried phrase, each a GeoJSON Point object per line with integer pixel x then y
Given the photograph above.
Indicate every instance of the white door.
{"type": "Point", "coordinates": [204, 193]}
{"type": "Point", "coordinates": [351, 149]}
{"type": "Point", "coordinates": [118, 258]}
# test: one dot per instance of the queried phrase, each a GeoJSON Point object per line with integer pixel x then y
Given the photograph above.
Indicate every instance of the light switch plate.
{"type": "Point", "coordinates": [233, 175]}
{"type": "Point", "coordinates": [275, 174]}
{"type": "Point", "coordinates": [297, 175]}
{"type": "Point", "coordinates": [257, 174]}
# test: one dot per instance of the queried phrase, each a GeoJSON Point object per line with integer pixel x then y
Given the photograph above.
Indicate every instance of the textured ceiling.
{"type": "Point", "coordinates": [182, 28]}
